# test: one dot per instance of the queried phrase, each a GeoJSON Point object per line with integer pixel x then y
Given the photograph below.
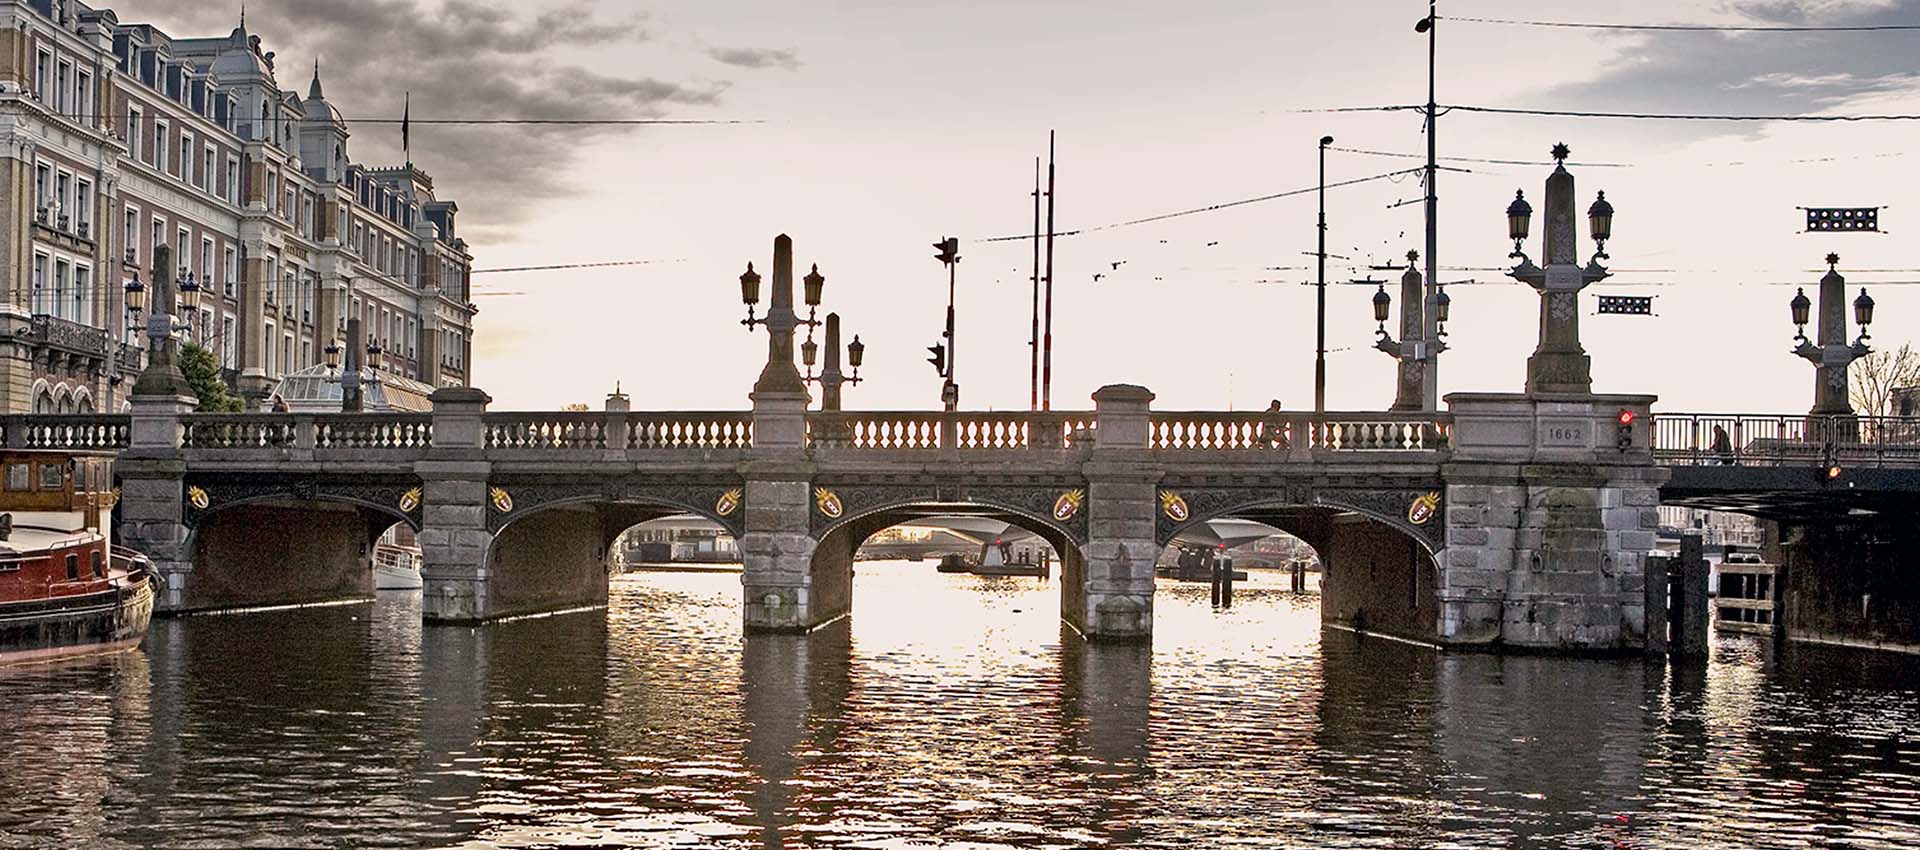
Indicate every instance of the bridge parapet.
{"type": "Point", "coordinates": [103, 431]}
{"type": "Point", "coordinates": [930, 431]}
{"type": "Point", "coordinates": [1210, 431]}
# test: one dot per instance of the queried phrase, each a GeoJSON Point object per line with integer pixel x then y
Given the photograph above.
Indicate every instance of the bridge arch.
{"type": "Point", "coordinates": [838, 539]}
{"type": "Point", "coordinates": [1380, 570]}
{"type": "Point", "coordinates": [277, 549]}
{"type": "Point", "coordinates": [557, 553]}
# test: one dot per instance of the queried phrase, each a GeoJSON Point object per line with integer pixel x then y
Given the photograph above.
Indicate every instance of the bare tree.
{"type": "Point", "coordinates": [1874, 377]}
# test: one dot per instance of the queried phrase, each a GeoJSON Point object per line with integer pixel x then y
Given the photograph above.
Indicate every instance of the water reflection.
{"type": "Point", "coordinates": [952, 710]}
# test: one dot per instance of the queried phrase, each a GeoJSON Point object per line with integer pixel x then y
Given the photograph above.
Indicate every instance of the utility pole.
{"type": "Point", "coordinates": [1046, 356]}
{"type": "Point", "coordinates": [1033, 345]}
{"type": "Point", "coordinates": [1431, 380]}
{"type": "Point", "coordinates": [1320, 294]}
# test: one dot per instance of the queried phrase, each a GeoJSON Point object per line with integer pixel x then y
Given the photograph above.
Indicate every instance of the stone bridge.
{"type": "Point", "coordinates": [1507, 521]}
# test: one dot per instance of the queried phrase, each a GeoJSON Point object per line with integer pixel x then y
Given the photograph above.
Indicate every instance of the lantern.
{"type": "Point", "coordinates": [136, 294]}
{"type": "Point", "coordinates": [1600, 220]}
{"type": "Point", "coordinates": [1381, 303]}
{"type": "Point", "coordinates": [1801, 305]}
{"type": "Point", "coordinates": [1442, 302]}
{"type": "Point", "coordinates": [333, 353]}
{"type": "Point", "coordinates": [814, 282]}
{"type": "Point", "coordinates": [1863, 310]}
{"type": "Point", "coordinates": [809, 352]}
{"type": "Point", "coordinates": [1519, 218]}
{"type": "Point", "coordinates": [855, 351]}
{"type": "Point", "coordinates": [750, 287]}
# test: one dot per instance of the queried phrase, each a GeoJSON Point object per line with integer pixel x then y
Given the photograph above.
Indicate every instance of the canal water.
{"type": "Point", "coordinates": [951, 711]}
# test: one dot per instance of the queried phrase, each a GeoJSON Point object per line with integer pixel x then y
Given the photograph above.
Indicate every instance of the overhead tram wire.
{"type": "Point", "coordinates": [403, 278]}
{"type": "Point", "coordinates": [1784, 28]}
{"type": "Point", "coordinates": [483, 121]}
{"type": "Point", "coordinates": [1215, 207]}
{"type": "Point", "coordinates": [1575, 113]}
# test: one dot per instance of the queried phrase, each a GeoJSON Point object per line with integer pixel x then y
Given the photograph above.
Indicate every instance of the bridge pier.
{"type": "Point", "coordinates": [151, 511]}
{"type": "Point", "coordinates": [552, 560]}
{"type": "Point", "coordinates": [1108, 593]}
{"type": "Point", "coordinates": [1549, 522]}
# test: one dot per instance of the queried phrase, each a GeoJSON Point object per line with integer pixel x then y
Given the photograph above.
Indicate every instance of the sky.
{"type": "Point", "coordinates": [881, 127]}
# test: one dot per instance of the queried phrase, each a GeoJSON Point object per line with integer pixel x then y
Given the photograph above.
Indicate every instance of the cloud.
{"type": "Point", "coordinates": [459, 59]}
{"type": "Point", "coordinates": [756, 57]}
{"type": "Point", "coordinates": [1743, 72]}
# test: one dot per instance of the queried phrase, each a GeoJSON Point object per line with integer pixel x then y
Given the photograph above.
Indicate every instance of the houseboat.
{"type": "Point", "coordinates": [64, 588]}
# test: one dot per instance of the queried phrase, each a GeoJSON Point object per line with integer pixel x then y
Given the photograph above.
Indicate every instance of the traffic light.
{"type": "Point", "coordinates": [1623, 432]}
{"type": "Point", "coordinates": [949, 249]}
{"type": "Point", "coordinates": [939, 358]}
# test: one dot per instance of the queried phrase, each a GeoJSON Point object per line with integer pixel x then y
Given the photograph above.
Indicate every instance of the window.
{"type": "Point", "coordinates": [181, 259]}
{"type": "Point", "coordinates": [229, 268]}
{"type": "Point", "coordinates": [286, 353]}
{"type": "Point", "coordinates": [83, 99]}
{"type": "Point", "coordinates": [52, 475]}
{"type": "Point", "coordinates": [63, 197]}
{"type": "Point", "coordinates": [267, 352]}
{"type": "Point", "coordinates": [159, 234]}
{"type": "Point", "coordinates": [42, 73]}
{"type": "Point", "coordinates": [62, 271]}
{"type": "Point", "coordinates": [132, 234]}
{"type": "Point", "coordinates": [19, 476]}
{"type": "Point", "coordinates": [42, 186]}
{"type": "Point", "coordinates": [83, 206]}
{"type": "Point", "coordinates": [39, 283]}
{"type": "Point", "coordinates": [133, 131]}
{"type": "Point", "coordinates": [227, 324]}
{"type": "Point", "coordinates": [207, 171]}
{"type": "Point", "coordinates": [62, 100]}
{"type": "Point", "coordinates": [160, 145]}
{"type": "Point", "coordinates": [99, 564]}
{"type": "Point", "coordinates": [233, 180]}
{"type": "Point", "coordinates": [82, 300]}
{"type": "Point", "coordinates": [206, 261]}
{"type": "Point", "coordinates": [186, 157]}
{"type": "Point", "coordinates": [73, 565]}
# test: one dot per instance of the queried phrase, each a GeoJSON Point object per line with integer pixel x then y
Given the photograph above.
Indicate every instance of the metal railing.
{"type": "Point", "coordinates": [1742, 439]}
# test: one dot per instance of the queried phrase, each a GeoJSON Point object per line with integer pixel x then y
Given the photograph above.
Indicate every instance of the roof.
{"type": "Point", "coordinates": [316, 389]}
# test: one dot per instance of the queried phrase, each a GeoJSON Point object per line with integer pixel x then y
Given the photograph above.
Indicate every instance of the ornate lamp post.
{"type": "Point", "coordinates": [779, 375]}
{"type": "Point", "coordinates": [1832, 354]}
{"type": "Point", "coordinates": [1559, 364]}
{"type": "Point", "coordinates": [162, 376]}
{"type": "Point", "coordinates": [1414, 350]}
{"type": "Point", "coordinates": [831, 377]}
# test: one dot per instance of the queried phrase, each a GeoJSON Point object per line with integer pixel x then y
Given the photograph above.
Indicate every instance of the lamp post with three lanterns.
{"type": "Point", "coordinates": [1559, 364]}
{"type": "Point", "coordinates": [1831, 354]}
{"type": "Point", "coordinates": [1415, 350]}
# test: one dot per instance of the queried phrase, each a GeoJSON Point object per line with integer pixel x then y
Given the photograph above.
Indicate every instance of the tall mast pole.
{"type": "Point", "coordinates": [1431, 383]}
{"type": "Point", "coordinates": [1320, 294]}
{"type": "Point", "coordinates": [1033, 345]}
{"type": "Point", "coordinates": [1046, 357]}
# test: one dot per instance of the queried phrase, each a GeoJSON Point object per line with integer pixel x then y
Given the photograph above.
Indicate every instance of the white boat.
{"type": "Point", "coordinates": [395, 567]}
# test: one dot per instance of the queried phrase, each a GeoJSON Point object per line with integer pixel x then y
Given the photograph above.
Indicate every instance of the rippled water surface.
{"type": "Point", "coordinates": [950, 711]}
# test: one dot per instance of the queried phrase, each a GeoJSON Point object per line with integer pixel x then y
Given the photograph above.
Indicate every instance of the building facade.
{"type": "Point", "coordinates": [120, 137]}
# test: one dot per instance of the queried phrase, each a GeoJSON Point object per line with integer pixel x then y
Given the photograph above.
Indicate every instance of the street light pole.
{"type": "Point", "coordinates": [1431, 380]}
{"type": "Point", "coordinates": [1320, 294]}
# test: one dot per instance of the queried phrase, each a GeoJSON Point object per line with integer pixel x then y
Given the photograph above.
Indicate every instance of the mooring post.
{"type": "Point", "coordinates": [1693, 614]}
{"type": "Point", "coordinates": [1226, 581]}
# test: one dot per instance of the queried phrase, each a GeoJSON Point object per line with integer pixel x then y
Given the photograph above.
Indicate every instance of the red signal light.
{"type": "Point", "coordinates": [1626, 417]}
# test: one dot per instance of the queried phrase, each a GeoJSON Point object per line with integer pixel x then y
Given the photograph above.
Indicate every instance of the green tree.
{"type": "Point", "coordinates": [203, 374]}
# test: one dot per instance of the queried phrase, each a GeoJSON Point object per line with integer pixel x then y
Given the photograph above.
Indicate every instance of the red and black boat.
{"type": "Point", "coordinates": [64, 588]}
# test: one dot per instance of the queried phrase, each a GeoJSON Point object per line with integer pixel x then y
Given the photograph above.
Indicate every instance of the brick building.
{"type": "Point", "coordinates": [119, 137]}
